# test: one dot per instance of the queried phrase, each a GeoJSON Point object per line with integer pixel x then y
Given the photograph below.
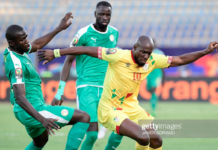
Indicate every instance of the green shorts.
{"type": "Point", "coordinates": [88, 98]}
{"type": "Point", "coordinates": [34, 128]}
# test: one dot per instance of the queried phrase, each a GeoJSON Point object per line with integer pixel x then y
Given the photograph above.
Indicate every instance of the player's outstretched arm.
{"type": "Point", "coordinates": [58, 99]}
{"type": "Point", "coordinates": [48, 123]}
{"type": "Point", "coordinates": [44, 40]}
{"type": "Point", "coordinates": [49, 55]}
{"type": "Point", "coordinates": [191, 57]}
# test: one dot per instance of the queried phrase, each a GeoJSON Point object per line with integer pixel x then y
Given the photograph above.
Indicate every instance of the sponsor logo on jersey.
{"type": "Point", "coordinates": [75, 41]}
{"type": "Point", "coordinates": [146, 66]}
{"type": "Point", "coordinates": [94, 39]}
{"type": "Point", "coordinates": [18, 73]}
{"type": "Point", "coordinates": [128, 64]}
{"type": "Point", "coordinates": [111, 38]}
{"type": "Point", "coordinates": [110, 51]}
{"type": "Point", "coordinates": [64, 112]}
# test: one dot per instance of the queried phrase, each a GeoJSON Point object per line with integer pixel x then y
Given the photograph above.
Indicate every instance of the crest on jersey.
{"type": "Point", "coordinates": [75, 41]}
{"type": "Point", "coordinates": [18, 73]}
{"type": "Point", "coordinates": [64, 112]}
{"type": "Point", "coordinates": [110, 51]}
{"type": "Point", "coordinates": [146, 66]}
{"type": "Point", "coordinates": [116, 119]}
{"type": "Point", "coordinates": [111, 38]}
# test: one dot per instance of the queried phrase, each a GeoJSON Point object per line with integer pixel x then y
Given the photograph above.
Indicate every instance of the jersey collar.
{"type": "Point", "coordinates": [15, 52]}
{"type": "Point", "coordinates": [99, 31]}
{"type": "Point", "coordinates": [133, 57]}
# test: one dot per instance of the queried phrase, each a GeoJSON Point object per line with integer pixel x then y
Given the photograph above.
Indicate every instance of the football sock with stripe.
{"type": "Point", "coordinates": [140, 147]}
{"type": "Point", "coordinates": [154, 100]}
{"type": "Point", "coordinates": [160, 148]}
{"type": "Point", "coordinates": [91, 137]}
{"type": "Point", "coordinates": [76, 135]}
{"type": "Point", "coordinates": [113, 141]}
{"type": "Point", "coordinates": [31, 146]}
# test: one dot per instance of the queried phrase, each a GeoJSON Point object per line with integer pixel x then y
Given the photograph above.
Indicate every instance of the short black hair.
{"type": "Point", "coordinates": [11, 31]}
{"type": "Point", "coordinates": [103, 3]}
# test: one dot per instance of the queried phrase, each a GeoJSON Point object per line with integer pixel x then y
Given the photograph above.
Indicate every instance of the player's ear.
{"type": "Point", "coordinates": [11, 43]}
{"type": "Point", "coordinates": [134, 47]}
{"type": "Point", "coordinates": [95, 14]}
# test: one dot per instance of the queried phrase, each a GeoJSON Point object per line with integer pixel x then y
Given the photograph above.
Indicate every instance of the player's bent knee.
{"type": "Point", "coordinates": [85, 117]}
{"type": "Point", "coordinates": [156, 142]}
{"type": "Point", "coordinates": [143, 140]}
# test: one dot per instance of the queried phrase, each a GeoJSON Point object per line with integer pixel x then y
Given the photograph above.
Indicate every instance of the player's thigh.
{"type": "Point", "coordinates": [111, 119]}
{"type": "Point", "coordinates": [88, 99]}
{"type": "Point", "coordinates": [34, 128]}
{"type": "Point", "coordinates": [139, 114]}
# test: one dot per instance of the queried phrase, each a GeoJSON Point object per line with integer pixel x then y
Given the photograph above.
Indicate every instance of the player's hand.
{"type": "Point", "coordinates": [49, 125]}
{"type": "Point", "coordinates": [57, 102]}
{"type": "Point", "coordinates": [211, 47]}
{"type": "Point", "coordinates": [65, 22]}
{"type": "Point", "coordinates": [47, 55]}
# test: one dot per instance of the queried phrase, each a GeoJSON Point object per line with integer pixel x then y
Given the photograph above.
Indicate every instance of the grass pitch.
{"type": "Point", "coordinates": [14, 137]}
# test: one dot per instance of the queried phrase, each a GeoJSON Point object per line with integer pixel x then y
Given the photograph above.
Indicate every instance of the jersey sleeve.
{"type": "Point", "coordinates": [14, 72]}
{"type": "Point", "coordinates": [161, 61]}
{"type": "Point", "coordinates": [111, 55]}
{"type": "Point", "coordinates": [78, 40]}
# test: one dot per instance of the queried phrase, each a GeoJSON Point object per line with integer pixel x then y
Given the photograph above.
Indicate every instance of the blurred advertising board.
{"type": "Point", "coordinates": [174, 89]}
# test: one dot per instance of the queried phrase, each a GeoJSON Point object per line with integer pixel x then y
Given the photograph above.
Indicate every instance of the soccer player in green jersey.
{"type": "Point", "coordinates": [154, 79]}
{"type": "Point", "coordinates": [91, 71]}
{"type": "Point", "coordinates": [26, 95]}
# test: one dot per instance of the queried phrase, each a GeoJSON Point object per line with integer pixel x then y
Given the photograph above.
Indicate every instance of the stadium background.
{"type": "Point", "coordinates": [177, 26]}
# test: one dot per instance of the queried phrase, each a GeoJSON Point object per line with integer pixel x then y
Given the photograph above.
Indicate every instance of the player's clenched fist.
{"type": "Point", "coordinates": [57, 102]}
{"type": "Point", "coordinates": [211, 47]}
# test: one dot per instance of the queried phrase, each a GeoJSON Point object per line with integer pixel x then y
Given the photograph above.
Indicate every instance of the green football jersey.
{"type": "Point", "coordinates": [90, 70]}
{"type": "Point", "coordinates": [20, 70]}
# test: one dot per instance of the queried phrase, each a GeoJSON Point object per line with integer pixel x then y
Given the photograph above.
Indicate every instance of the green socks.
{"type": "Point", "coordinates": [76, 135]}
{"type": "Point", "coordinates": [91, 137]}
{"type": "Point", "coordinates": [154, 100]}
{"type": "Point", "coordinates": [113, 141]}
{"type": "Point", "coordinates": [31, 146]}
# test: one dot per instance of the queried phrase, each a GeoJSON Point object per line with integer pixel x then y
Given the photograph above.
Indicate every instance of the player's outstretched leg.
{"type": "Point", "coordinates": [91, 136]}
{"type": "Point", "coordinates": [155, 139]}
{"type": "Point", "coordinates": [133, 130]}
{"type": "Point", "coordinates": [80, 122]}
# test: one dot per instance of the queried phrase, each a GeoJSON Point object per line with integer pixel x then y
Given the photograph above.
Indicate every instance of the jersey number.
{"type": "Point", "coordinates": [136, 76]}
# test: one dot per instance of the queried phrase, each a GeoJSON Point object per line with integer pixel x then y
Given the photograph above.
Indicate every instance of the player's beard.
{"type": "Point", "coordinates": [102, 26]}
{"type": "Point", "coordinates": [139, 64]}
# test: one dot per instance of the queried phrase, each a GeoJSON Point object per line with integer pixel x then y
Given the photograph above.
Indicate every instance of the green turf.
{"type": "Point", "coordinates": [14, 137]}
